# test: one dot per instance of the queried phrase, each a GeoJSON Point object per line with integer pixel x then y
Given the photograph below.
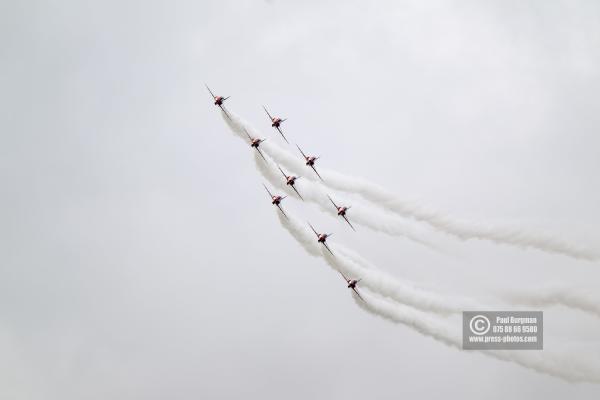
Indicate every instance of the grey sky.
{"type": "Point", "coordinates": [140, 257]}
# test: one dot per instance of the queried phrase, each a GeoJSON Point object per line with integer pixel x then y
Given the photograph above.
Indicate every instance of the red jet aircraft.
{"type": "Point", "coordinates": [310, 161]}
{"type": "Point", "coordinates": [291, 181]}
{"type": "Point", "coordinates": [322, 238]}
{"type": "Point", "coordinates": [276, 123]}
{"type": "Point", "coordinates": [352, 285]}
{"type": "Point", "coordinates": [276, 200]}
{"type": "Point", "coordinates": [255, 142]}
{"type": "Point", "coordinates": [219, 100]}
{"type": "Point", "coordinates": [341, 211]}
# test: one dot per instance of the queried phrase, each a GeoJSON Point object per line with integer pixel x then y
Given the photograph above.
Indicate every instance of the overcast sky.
{"type": "Point", "coordinates": [140, 257]}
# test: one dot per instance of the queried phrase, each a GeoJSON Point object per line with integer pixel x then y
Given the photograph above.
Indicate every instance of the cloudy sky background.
{"type": "Point", "coordinates": [140, 257]}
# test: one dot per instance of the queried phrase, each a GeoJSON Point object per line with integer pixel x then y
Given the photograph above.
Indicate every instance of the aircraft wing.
{"type": "Point", "coordinates": [268, 113]}
{"type": "Point", "coordinates": [313, 229]}
{"type": "Point", "coordinates": [343, 276]}
{"type": "Point", "coordinates": [336, 207]}
{"type": "Point", "coordinates": [261, 154]}
{"type": "Point", "coordinates": [313, 167]}
{"type": "Point", "coordinates": [247, 134]}
{"type": "Point", "coordinates": [210, 91]}
{"type": "Point", "coordinates": [328, 249]}
{"type": "Point", "coordinates": [268, 191]}
{"type": "Point", "coordinates": [293, 187]}
{"type": "Point", "coordinates": [281, 209]}
{"type": "Point", "coordinates": [282, 135]}
{"type": "Point", "coordinates": [358, 294]}
{"type": "Point", "coordinates": [225, 111]}
{"type": "Point", "coordinates": [283, 173]}
{"type": "Point", "coordinates": [349, 223]}
{"type": "Point", "coordinates": [303, 155]}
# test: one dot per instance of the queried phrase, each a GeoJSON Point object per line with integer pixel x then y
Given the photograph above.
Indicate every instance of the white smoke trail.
{"type": "Point", "coordinates": [417, 320]}
{"type": "Point", "coordinates": [372, 278]}
{"type": "Point", "coordinates": [359, 214]}
{"type": "Point", "coordinates": [569, 297]}
{"type": "Point", "coordinates": [463, 230]}
{"type": "Point", "coordinates": [316, 193]}
{"type": "Point", "coordinates": [564, 366]}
